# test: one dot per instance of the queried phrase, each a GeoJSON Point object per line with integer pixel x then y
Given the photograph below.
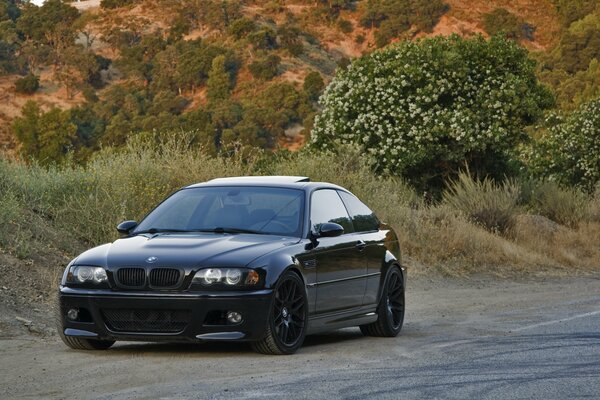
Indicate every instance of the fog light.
{"type": "Point", "coordinates": [73, 314]}
{"type": "Point", "coordinates": [234, 317]}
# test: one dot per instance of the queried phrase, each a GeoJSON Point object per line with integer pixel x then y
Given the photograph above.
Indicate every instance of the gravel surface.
{"type": "Point", "coordinates": [476, 338]}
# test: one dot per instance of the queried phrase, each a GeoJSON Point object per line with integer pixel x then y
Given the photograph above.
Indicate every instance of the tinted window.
{"type": "Point", "coordinates": [326, 206]}
{"type": "Point", "coordinates": [264, 209]}
{"type": "Point", "coordinates": [362, 217]}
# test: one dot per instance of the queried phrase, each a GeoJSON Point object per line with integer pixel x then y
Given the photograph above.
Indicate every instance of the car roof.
{"type": "Point", "coordinates": [274, 181]}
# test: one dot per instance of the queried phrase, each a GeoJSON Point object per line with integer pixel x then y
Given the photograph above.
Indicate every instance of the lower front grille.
{"type": "Point", "coordinates": [146, 321]}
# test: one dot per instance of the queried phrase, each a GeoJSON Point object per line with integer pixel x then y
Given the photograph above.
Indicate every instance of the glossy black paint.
{"type": "Point", "coordinates": [126, 226]}
{"type": "Point", "coordinates": [343, 274]}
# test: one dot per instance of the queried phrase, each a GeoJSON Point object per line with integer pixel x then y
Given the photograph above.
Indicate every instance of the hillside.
{"type": "Point", "coordinates": [282, 42]}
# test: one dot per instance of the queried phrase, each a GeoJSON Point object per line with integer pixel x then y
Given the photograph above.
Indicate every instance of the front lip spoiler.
{"type": "Point", "coordinates": [205, 336]}
{"type": "Point", "coordinates": [80, 333]}
{"type": "Point", "coordinates": [65, 290]}
{"type": "Point", "coordinates": [221, 336]}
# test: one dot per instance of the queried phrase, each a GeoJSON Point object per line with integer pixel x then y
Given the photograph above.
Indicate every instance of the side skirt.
{"type": "Point", "coordinates": [341, 319]}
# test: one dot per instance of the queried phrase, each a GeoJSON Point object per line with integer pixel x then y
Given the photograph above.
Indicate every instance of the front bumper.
{"type": "Point", "coordinates": [200, 308]}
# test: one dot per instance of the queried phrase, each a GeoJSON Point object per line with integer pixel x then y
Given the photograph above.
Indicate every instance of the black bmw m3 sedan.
{"type": "Point", "coordinates": [261, 259]}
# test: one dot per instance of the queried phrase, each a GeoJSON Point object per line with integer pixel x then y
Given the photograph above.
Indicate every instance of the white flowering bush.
{"type": "Point", "coordinates": [424, 109]}
{"type": "Point", "coordinates": [569, 149]}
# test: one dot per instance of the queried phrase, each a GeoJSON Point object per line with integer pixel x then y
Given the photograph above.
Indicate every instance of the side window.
{"type": "Point", "coordinates": [326, 206]}
{"type": "Point", "coordinates": [362, 217]}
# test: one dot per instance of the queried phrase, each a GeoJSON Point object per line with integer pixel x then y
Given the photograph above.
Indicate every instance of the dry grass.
{"type": "Point", "coordinates": [63, 211]}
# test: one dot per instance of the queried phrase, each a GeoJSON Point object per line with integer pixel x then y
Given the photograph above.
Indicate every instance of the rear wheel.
{"type": "Point", "coordinates": [286, 327]}
{"type": "Point", "coordinates": [391, 308]}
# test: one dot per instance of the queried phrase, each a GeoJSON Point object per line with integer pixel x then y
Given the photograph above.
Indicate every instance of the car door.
{"type": "Point", "coordinates": [367, 226]}
{"type": "Point", "coordinates": [340, 262]}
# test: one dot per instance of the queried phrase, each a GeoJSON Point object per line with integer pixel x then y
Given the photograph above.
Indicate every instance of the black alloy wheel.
{"type": "Point", "coordinates": [287, 319]}
{"type": "Point", "coordinates": [391, 308]}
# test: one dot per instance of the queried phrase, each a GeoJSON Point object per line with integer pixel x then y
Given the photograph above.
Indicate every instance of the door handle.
{"type": "Point", "coordinates": [360, 245]}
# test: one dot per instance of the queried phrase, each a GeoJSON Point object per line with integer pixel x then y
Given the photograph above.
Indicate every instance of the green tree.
{"type": "Point", "coordinates": [569, 149]}
{"type": "Point", "coordinates": [502, 21]}
{"type": "Point", "coordinates": [52, 24]}
{"type": "Point", "coordinates": [28, 84]}
{"type": "Point", "coordinates": [395, 17]}
{"type": "Point", "coordinates": [573, 10]}
{"type": "Point", "coordinates": [265, 68]}
{"type": "Point", "coordinates": [313, 85]}
{"type": "Point", "coordinates": [580, 44]}
{"type": "Point", "coordinates": [218, 85]}
{"type": "Point", "coordinates": [265, 38]}
{"type": "Point", "coordinates": [241, 27]}
{"type": "Point", "coordinates": [424, 109]}
{"type": "Point", "coordinates": [46, 137]}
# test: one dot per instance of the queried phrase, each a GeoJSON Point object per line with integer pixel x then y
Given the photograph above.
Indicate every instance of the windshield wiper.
{"type": "Point", "coordinates": [218, 229]}
{"type": "Point", "coordinates": [160, 230]}
{"type": "Point", "coordinates": [222, 229]}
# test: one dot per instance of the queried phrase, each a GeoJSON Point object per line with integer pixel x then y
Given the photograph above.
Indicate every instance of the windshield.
{"type": "Point", "coordinates": [231, 209]}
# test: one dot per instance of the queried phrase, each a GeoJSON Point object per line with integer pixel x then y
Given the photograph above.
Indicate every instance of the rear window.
{"type": "Point", "coordinates": [363, 218]}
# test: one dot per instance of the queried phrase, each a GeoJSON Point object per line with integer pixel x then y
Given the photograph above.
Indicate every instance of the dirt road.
{"type": "Point", "coordinates": [476, 338]}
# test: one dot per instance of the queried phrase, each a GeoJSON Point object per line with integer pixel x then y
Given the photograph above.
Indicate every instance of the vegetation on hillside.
{"type": "Point", "coordinates": [480, 152]}
{"type": "Point", "coordinates": [476, 227]}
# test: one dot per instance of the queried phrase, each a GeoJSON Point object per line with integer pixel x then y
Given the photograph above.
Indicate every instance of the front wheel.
{"type": "Point", "coordinates": [390, 311]}
{"type": "Point", "coordinates": [286, 326]}
{"type": "Point", "coordinates": [86, 344]}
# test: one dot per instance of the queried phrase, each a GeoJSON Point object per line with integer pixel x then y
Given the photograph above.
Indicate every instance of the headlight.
{"type": "Point", "coordinates": [85, 274]}
{"type": "Point", "coordinates": [227, 277]}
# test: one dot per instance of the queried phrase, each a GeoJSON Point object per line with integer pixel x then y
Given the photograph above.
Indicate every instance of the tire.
{"type": "Point", "coordinates": [79, 343]}
{"type": "Point", "coordinates": [390, 311]}
{"type": "Point", "coordinates": [287, 321]}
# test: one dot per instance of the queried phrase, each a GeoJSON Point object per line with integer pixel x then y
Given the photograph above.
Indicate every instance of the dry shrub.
{"type": "Point", "coordinates": [562, 247]}
{"type": "Point", "coordinates": [593, 210]}
{"type": "Point", "coordinates": [484, 202]}
{"type": "Point", "coordinates": [566, 206]}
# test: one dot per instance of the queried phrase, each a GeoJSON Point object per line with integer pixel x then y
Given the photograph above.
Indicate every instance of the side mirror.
{"type": "Point", "coordinates": [126, 226]}
{"type": "Point", "coordinates": [330, 229]}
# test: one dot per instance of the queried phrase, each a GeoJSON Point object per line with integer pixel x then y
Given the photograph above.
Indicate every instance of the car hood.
{"type": "Point", "coordinates": [184, 250]}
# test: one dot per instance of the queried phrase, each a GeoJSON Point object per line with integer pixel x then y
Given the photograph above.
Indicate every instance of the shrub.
{"type": "Point", "coordinates": [569, 149]}
{"type": "Point", "coordinates": [397, 16]}
{"type": "Point", "coordinates": [345, 26]}
{"type": "Point", "coordinates": [422, 109]}
{"type": "Point", "coordinates": [484, 202]}
{"type": "Point", "coordinates": [265, 68]}
{"type": "Point", "coordinates": [290, 38]}
{"type": "Point", "coordinates": [566, 206]}
{"type": "Point", "coordinates": [264, 38]}
{"type": "Point", "coordinates": [116, 3]}
{"type": "Point", "coordinates": [28, 84]}
{"type": "Point", "coordinates": [502, 21]}
{"type": "Point", "coordinates": [241, 27]}
{"type": "Point", "coordinates": [313, 85]}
